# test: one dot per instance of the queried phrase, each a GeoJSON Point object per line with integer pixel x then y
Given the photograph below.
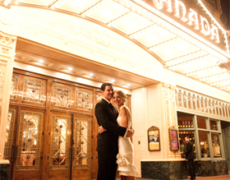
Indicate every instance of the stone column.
{"type": "Point", "coordinates": [7, 52]}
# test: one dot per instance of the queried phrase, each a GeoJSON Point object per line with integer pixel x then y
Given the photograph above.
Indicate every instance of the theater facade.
{"type": "Point", "coordinates": [165, 54]}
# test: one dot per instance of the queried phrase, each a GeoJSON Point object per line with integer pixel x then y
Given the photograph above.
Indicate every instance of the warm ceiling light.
{"type": "Point", "coordinates": [91, 74]}
{"type": "Point", "coordinates": [70, 69]}
{"type": "Point", "coordinates": [41, 61]}
{"type": "Point", "coordinates": [128, 85]}
{"type": "Point", "coordinates": [112, 80]}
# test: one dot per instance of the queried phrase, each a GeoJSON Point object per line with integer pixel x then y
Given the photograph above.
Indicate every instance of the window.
{"type": "Point", "coordinates": [185, 120]}
{"type": "Point", "coordinates": [213, 125]}
{"type": "Point", "coordinates": [201, 122]}
{"type": "Point", "coordinates": [182, 135]}
{"type": "Point", "coordinates": [203, 143]}
{"type": "Point", "coordinates": [216, 146]}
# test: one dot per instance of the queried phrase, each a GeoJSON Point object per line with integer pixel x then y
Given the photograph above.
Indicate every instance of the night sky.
{"type": "Point", "coordinates": [225, 4]}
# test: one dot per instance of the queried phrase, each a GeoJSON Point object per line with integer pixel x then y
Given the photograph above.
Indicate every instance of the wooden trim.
{"type": "Point", "coordinates": [70, 111]}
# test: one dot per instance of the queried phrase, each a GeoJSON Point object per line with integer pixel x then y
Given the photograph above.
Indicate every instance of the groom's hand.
{"type": "Point", "coordinates": [130, 133]}
{"type": "Point", "coordinates": [101, 129]}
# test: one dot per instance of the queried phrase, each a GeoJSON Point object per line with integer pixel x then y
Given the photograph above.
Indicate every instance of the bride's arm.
{"type": "Point", "coordinates": [124, 117]}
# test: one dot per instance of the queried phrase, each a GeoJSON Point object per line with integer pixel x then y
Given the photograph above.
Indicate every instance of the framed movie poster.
{"type": "Point", "coordinates": [173, 137]}
{"type": "Point", "coordinates": [154, 139]}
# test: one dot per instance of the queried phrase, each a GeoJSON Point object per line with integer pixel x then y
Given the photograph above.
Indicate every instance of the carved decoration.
{"type": "Point", "coordinates": [7, 40]}
{"type": "Point", "coordinates": [3, 65]}
{"type": "Point", "coordinates": [14, 87]}
{"type": "Point", "coordinates": [33, 90]}
{"type": "Point", "coordinates": [83, 99]}
{"type": "Point", "coordinates": [9, 133]}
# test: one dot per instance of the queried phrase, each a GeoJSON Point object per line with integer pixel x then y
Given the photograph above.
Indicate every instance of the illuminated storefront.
{"type": "Point", "coordinates": [164, 53]}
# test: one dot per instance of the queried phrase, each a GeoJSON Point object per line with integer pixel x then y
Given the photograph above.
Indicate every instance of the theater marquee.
{"type": "Point", "coordinates": [193, 15]}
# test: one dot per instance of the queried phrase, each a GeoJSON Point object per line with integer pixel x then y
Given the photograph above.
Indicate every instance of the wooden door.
{"type": "Point", "coordinates": [28, 151]}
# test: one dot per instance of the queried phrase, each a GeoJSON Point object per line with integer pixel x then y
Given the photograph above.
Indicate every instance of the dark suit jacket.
{"type": "Point", "coordinates": [189, 151]}
{"type": "Point", "coordinates": [108, 140]}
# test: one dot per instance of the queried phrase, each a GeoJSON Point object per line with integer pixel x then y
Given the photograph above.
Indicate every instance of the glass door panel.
{"type": "Point", "coordinates": [59, 163]}
{"type": "Point", "coordinates": [30, 130]}
{"type": "Point", "coordinates": [82, 149]}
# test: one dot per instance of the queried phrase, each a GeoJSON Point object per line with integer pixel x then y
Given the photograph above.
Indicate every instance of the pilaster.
{"type": "Point", "coordinates": [170, 120]}
{"type": "Point", "coordinates": [7, 52]}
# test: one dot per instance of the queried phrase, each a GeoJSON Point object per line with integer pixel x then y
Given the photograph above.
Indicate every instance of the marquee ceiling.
{"type": "Point", "coordinates": [174, 47]}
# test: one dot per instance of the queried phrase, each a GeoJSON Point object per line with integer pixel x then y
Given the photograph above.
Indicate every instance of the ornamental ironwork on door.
{"type": "Point", "coordinates": [33, 90]}
{"type": "Point", "coordinates": [28, 152]}
{"type": "Point", "coordinates": [82, 138]}
{"type": "Point", "coordinates": [60, 142]}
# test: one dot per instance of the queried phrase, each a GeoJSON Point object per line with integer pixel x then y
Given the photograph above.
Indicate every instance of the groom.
{"type": "Point", "coordinates": [107, 142]}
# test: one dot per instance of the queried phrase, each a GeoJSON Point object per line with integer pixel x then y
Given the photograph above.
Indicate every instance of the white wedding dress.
{"type": "Point", "coordinates": [125, 156]}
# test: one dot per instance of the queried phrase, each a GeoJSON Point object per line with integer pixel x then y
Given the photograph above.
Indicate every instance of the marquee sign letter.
{"type": "Point", "coordinates": [205, 27]}
{"type": "Point", "coordinates": [178, 13]}
{"type": "Point", "coordinates": [193, 19]}
{"type": "Point", "coordinates": [160, 4]}
{"type": "Point", "coordinates": [215, 33]}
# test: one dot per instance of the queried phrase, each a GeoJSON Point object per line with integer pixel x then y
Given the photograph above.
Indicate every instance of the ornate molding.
{"type": "Point", "coordinates": [3, 66]}
{"type": "Point", "coordinates": [6, 40]}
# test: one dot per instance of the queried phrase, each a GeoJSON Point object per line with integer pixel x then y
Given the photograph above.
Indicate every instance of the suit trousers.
{"type": "Point", "coordinates": [191, 168]}
{"type": "Point", "coordinates": [107, 166]}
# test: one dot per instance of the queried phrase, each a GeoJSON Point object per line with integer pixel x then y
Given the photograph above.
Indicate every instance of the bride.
{"type": "Point", "coordinates": [125, 156]}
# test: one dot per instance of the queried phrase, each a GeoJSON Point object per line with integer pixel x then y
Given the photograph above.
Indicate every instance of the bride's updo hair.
{"type": "Point", "coordinates": [121, 94]}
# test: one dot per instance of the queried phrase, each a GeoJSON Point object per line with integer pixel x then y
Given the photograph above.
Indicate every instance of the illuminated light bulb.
{"type": "Point", "coordinates": [41, 61]}
{"type": "Point", "coordinates": [128, 85]}
{"type": "Point", "coordinates": [112, 80]}
{"type": "Point", "coordinates": [91, 74]}
{"type": "Point", "coordinates": [70, 69]}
